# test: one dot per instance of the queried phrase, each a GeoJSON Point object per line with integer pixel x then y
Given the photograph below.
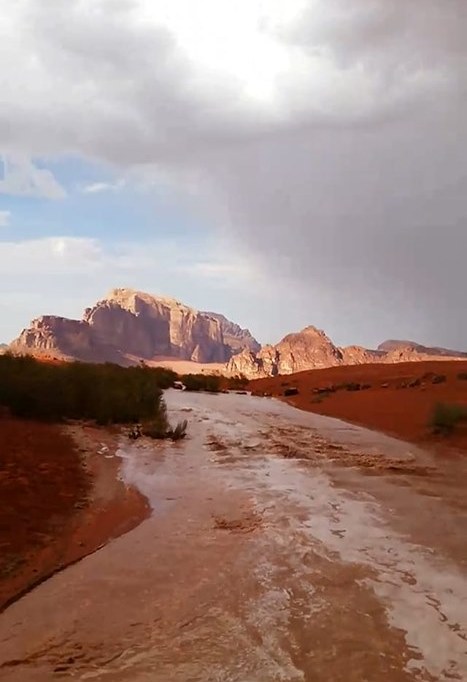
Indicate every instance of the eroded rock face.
{"type": "Point", "coordinates": [61, 337]}
{"type": "Point", "coordinates": [308, 349]}
{"type": "Point", "coordinates": [312, 349]}
{"type": "Point", "coordinates": [147, 326]}
{"type": "Point", "coordinates": [235, 337]}
{"type": "Point", "coordinates": [128, 326]}
{"type": "Point", "coordinates": [408, 348]}
{"type": "Point", "coordinates": [357, 355]}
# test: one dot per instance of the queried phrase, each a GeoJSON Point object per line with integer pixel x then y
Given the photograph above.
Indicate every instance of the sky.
{"type": "Point", "coordinates": [284, 162]}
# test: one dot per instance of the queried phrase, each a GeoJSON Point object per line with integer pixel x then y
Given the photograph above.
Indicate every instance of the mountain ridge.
{"type": "Point", "coordinates": [129, 326]}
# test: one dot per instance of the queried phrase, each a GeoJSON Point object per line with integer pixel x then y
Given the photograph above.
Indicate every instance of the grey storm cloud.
{"type": "Point", "coordinates": [339, 165]}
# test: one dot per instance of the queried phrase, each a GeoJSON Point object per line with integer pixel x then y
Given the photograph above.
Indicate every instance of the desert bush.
{"type": "Point", "coordinates": [237, 383]}
{"type": "Point", "coordinates": [462, 376]}
{"type": "Point", "coordinates": [105, 393]}
{"type": "Point", "coordinates": [179, 431]}
{"type": "Point", "coordinates": [439, 379]}
{"type": "Point", "coordinates": [160, 429]}
{"type": "Point", "coordinates": [446, 416]}
{"type": "Point", "coordinates": [352, 386]}
{"type": "Point", "coordinates": [202, 382]}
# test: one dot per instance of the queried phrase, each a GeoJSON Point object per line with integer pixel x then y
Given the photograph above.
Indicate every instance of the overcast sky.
{"type": "Point", "coordinates": [285, 162]}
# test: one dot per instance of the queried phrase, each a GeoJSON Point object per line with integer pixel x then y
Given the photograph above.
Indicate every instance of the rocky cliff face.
{"type": "Point", "coordinates": [312, 349]}
{"type": "Point", "coordinates": [128, 326]}
{"type": "Point", "coordinates": [60, 337]}
{"type": "Point", "coordinates": [235, 337]}
{"type": "Point", "coordinates": [410, 347]}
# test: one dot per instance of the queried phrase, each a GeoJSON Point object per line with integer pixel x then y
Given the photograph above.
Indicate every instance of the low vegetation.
{"type": "Point", "coordinates": [105, 393]}
{"type": "Point", "coordinates": [159, 430]}
{"type": "Point", "coordinates": [352, 386]}
{"type": "Point", "coordinates": [447, 416]}
{"type": "Point", "coordinates": [202, 382]}
{"type": "Point", "coordinates": [237, 383]}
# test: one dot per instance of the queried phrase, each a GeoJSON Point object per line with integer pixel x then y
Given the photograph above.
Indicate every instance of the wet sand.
{"type": "Point", "coordinates": [61, 499]}
{"type": "Point", "coordinates": [282, 546]}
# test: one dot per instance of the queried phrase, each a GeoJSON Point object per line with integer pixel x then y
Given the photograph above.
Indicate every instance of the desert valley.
{"type": "Point", "coordinates": [233, 341]}
{"type": "Point", "coordinates": [244, 459]}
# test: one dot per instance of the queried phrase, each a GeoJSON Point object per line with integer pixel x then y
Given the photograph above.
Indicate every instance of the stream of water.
{"type": "Point", "coordinates": [282, 546]}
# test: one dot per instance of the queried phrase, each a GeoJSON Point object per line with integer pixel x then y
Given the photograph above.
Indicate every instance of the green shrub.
{"type": "Point", "coordinates": [179, 431]}
{"type": "Point", "coordinates": [237, 383]}
{"type": "Point", "coordinates": [160, 429]}
{"type": "Point", "coordinates": [446, 417]}
{"type": "Point", "coordinates": [105, 393]}
{"type": "Point", "coordinates": [202, 382]}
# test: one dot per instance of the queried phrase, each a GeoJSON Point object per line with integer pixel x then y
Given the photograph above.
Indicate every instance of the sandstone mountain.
{"type": "Point", "coordinates": [308, 349]}
{"type": "Point", "coordinates": [312, 349]}
{"type": "Point", "coordinates": [128, 326]}
{"type": "Point", "coordinates": [393, 345]}
{"type": "Point", "coordinates": [234, 336]}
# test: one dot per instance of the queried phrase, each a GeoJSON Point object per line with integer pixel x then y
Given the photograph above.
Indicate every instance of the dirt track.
{"type": "Point", "coordinates": [282, 546]}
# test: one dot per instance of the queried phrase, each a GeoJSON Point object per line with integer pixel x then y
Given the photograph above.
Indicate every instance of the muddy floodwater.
{"type": "Point", "coordinates": [282, 546]}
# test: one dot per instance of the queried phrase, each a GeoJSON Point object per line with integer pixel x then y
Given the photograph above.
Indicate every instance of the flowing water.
{"type": "Point", "coordinates": [282, 546]}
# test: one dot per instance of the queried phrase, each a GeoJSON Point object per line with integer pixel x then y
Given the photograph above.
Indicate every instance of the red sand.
{"type": "Point", "coordinates": [402, 412]}
{"type": "Point", "coordinates": [60, 500]}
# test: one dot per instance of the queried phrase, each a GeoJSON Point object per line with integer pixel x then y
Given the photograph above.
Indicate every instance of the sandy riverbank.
{"type": "Point", "coordinates": [62, 498]}
{"type": "Point", "coordinates": [399, 399]}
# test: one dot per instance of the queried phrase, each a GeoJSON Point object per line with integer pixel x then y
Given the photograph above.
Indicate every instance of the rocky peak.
{"type": "Point", "coordinates": [310, 348]}
{"type": "Point", "coordinates": [235, 336]}
{"type": "Point", "coordinates": [129, 325]}
{"type": "Point", "coordinates": [409, 347]}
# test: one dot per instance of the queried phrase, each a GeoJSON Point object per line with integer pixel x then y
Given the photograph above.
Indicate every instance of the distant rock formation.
{"type": "Point", "coordinates": [312, 349]}
{"type": "Point", "coordinates": [128, 326]}
{"type": "Point", "coordinates": [396, 346]}
{"type": "Point", "coordinates": [235, 337]}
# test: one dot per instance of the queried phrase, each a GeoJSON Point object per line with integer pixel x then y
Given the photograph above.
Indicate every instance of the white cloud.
{"type": "Point", "coordinates": [50, 255]}
{"type": "Point", "coordinates": [98, 187]}
{"type": "Point", "coordinates": [5, 218]}
{"type": "Point", "coordinates": [62, 275]}
{"type": "Point", "coordinates": [210, 73]}
{"type": "Point", "coordinates": [22, 178]}
{"type": "Point", "coordinates": [326, 136]}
